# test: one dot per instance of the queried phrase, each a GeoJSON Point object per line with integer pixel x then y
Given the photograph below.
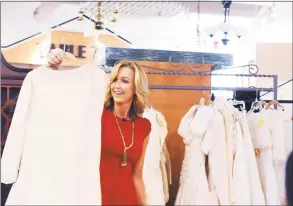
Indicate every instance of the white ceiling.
{"type": "Point", "coordinates": [147, 31]}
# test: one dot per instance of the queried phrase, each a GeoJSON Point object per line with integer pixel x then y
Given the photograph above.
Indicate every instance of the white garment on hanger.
{"type": "Point", "coordinates": [219, 182]}
{"type": "Point", "coordinates": [259, 125]}
{"type": "Point", "coordinates": [277, 129]}
{"type": "Point", "coordinates": [52, 152]}
{"type": "Point", "coordinates": [256, 193]}
{"type": "Point", "coordinates": [240, 186]}
{"type": "Point", "coordinates": [152, 175]}
{"type": "Point", "coordinates": [227, 123]}
{"type": "Point", "coordinates": [240, 191]}
{"type": "Point", "coordinates": [194, 188]}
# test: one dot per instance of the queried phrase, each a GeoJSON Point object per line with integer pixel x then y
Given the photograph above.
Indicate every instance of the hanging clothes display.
{"type": "Point", "coordinates": [275, 126]}
{"type": "Point", "coordinates": [238, 184]}
{"type": "Point", "coordinates": [152, 174]}
{"type": "Point", "coordinates": [219, 133]}
{"type": "Point", "coordinates": [52, 152]}
{"type": "Point", "coordinates": [264, 127]}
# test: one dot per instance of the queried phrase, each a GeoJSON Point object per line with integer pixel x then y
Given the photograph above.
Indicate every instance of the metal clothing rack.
{"type": "Point", "coordinates": [253, 70]}
{"type": "Point", "coordinates": [281, 101]}
{"type": "Point", "coordinates": [268, 89]}
{"type": "Point", "coordinates": [187, 63]}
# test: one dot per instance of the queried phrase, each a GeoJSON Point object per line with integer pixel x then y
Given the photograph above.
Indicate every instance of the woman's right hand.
{"type": "Point", "coordinates": [56, 57]}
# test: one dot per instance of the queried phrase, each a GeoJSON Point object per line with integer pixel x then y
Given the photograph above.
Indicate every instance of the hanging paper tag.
{"type": "Point", "coordinates": [260, 122]}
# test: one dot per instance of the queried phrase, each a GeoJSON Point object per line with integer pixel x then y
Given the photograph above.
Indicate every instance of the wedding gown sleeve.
{"type": "Point", "coordinates": [163, 127]}
{"type": "Point", "coordinates": [168, 163]}
{"type": "Point", "coordinates": [11, 159]}
{"type": "Point", "coordinates": [199, 125]}
{"type": "Point", "coordinates": [165, 165]}
{"type": "Point", "coordinates": [165, 153]}
{"type": "Point", "coordinates": [153, 174]}
{"type": "Point", "coordinates": [184, 129]}
{"type": "Point", "coordinates": [207, 139]}
{"type": "Point", "coordinates": [105, 83]}
{"type": "Point", "coordinates": [215, 137]}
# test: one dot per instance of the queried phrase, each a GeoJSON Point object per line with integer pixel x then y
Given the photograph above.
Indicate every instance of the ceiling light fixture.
{"type": "Point", "coordinates": [226, 28]}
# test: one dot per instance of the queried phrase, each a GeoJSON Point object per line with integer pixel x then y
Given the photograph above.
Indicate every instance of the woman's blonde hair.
{"type": "Point", "coordinates": [140, 99]}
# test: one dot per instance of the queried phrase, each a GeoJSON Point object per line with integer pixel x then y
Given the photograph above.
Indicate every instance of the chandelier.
{"type": "Point", "coordinates": [94, 24]}
{"type": "Point", "coordinates": [110, 12]}
{"type": "Point", "coordinates": [226, 29]}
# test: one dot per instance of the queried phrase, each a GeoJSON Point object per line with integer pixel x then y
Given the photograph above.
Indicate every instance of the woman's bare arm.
{"type": "Point", "coordinates": [137, 177]}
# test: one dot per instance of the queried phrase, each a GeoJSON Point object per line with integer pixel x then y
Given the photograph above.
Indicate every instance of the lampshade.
{"type": "Point", "coordinates": [225, 27]}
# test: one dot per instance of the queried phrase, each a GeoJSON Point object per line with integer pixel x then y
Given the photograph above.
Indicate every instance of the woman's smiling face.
{"type": "Point", "coordinates": [123, 87]}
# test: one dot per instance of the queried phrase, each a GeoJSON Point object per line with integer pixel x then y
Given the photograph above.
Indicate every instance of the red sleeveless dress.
{"type": "Point", "coordinates": [116, 181]}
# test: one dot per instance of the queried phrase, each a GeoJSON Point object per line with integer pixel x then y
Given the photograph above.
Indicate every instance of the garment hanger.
{"type": "Point", "coordinates": [235, 102]}
{"type": "Point", "coordinates": [255, 103]}
{"type": "Point", "coordinates": [202, 100]}
{"type": "Point", "coordinates": [264, 104]}
{"type": "Point", "coordinates": [274, 102]}
{"type": "Point", "coordinates": [242, 103]}
{"type": "Point", "coordinates": [67, 55]}
{"type": "Point", "coordinates": [212, 97]}
{"type": "Point", "coordinates": [229, 101]}
{"type": "Point", "coordinates": [259, 104]}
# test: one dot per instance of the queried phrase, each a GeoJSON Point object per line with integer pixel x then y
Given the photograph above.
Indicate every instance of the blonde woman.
{"type": "Point", "coordinates": [124, 133]}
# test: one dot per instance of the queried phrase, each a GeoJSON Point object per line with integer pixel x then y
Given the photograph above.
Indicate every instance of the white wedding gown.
{"type": "Point", "coordinates": [231, 173]}
{"type": "Point", "coordinates": [277, 129]}
{"type": "Point", "coordinates": [259, 125]}
{"type": "Point", "coordinates": [52, 152]}
{"type": "Point", "coordinates": [256, 193]}
{"type": "Point", "coordinates": [241, 190]}
{"type": "Point", "coordinates": [194, 187]}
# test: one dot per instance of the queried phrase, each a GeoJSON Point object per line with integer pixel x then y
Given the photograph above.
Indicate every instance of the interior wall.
{"type": "Point", "coordinates": [276, 58]}
{"type": "Point", "coordinates": [174, 104]}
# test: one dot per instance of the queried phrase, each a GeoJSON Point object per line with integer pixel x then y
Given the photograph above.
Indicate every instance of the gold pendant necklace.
{"type": "Point", "coordinates": [124, 154]}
